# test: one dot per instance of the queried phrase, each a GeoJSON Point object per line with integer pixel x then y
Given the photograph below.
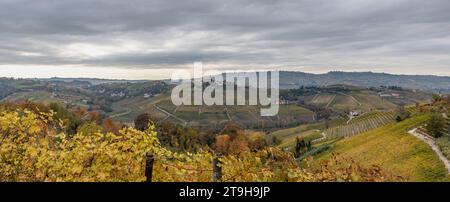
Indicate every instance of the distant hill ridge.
{"type": "Point", "coordinates": [292, 79]}
{"type": "Point", "coordinates": [295, 79]}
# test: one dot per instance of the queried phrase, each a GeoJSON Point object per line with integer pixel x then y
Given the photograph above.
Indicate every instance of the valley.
{"type": "Point", "coordinates": [366, 125]}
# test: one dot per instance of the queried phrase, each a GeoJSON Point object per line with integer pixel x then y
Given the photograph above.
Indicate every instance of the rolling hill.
{"type": "Point", "coordinates": [124, 100]}
{"type": "Point", "coordinates": [291, 80]}
{"type": "Point", "coordinates": [365, 122]}
{"type": "Point", "coordinates": [396, 151]}
{"type": "Point", "coordinates": [162, 109]}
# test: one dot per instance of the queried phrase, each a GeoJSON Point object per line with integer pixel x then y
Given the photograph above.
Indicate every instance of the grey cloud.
{"type": "Point", "coordinates": [178, 57]}
{"type": "Point", "coordinates": [291, 33]}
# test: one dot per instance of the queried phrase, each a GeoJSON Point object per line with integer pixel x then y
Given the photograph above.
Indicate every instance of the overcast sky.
{"type": "Point", "coordinates": [138, 39]}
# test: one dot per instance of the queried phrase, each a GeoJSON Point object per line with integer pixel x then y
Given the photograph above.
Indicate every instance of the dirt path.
{"type": "Point", "coordinates": [350, 118]}
{"type": "Point", "coordinates": [331, 100]}
{"type": "Point", "coordinates": [315, 96]}
{"type": "Point", "coordinates": [174, 111]}
{"type": "Point", "coordinates": [430, 141]}
{"type": "Point", "coordinates": [228, 115]}
{"type": "Point", "coordinates": [324, 136]}
{"type": "Point", "coordinates": [120, 114]}
{"type": "Point", "coordinates": [170, 114]}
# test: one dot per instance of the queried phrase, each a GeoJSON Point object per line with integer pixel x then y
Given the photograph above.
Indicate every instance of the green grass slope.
{"type": "Point", "coordinates": [396, 151]}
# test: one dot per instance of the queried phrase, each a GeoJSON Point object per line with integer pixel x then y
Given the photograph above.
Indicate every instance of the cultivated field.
{"type": "Point", "coordinates": [396, 151]}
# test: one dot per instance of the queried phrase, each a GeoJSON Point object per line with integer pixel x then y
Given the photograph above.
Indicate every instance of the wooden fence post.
{"type": "Point", "coordinates": [217, 170]}
{"type": "Point", "coordinates": [149, 167]}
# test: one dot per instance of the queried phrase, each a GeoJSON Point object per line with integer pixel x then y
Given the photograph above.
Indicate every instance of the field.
{"type": "Point", "coordinates": [126, 110]}
{"type": "Point", "coordinates": [364, 123]}
{"type": "Point", "coordinates": [161, 107]}
{"type": "Point", "coordinates": [371, 101]}
{"type": "Point", "coordinates": [46, 98]}
{"type": "Point", "coordinates": [306, 131]}
{"type": "Point", "coordinates": [360, 99]}
{"type": "Point", "coordinates": [323, 99]}
{"type": "Point", "coordinates": [344, 102]}
{"type": "Point", "coordinates": [38, 96]}
{"type": "Point", "coordinates": [363, 102]}
{"type": "Point", "coordinates": [337, 128]}
{"type": "Point", "coordinates": [288, 136]}
{"type": "Point", "coordinates": [396, 151]}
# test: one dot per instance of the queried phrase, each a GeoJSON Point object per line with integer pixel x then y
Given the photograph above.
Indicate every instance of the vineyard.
{"type": "Point", "coordinates": [365, 123]}
{"type": "Point", "coordinates": [394, 149]}
{"type": "Point", "coordinates": [34, 148]}
{"type": "Point", "coordinates": [448, 123]}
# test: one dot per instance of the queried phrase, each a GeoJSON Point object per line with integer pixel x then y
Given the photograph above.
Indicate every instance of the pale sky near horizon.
{"type": "Point", "coordinates": [147, 39]}
{"type": "Point", "coordinates": [150, 74]}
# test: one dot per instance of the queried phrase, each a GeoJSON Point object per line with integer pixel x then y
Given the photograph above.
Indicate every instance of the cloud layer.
{"type": "Point", "coordinates": [399, 36]}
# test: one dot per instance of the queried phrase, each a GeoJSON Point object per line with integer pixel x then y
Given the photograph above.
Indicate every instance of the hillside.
{"type": "Point", "coordinates": [290, 80]}
{"type": "Point", "coordinates": [36, 149]}
{"type": "Point", "coordinates": [365, 122]}
{"type": "Point", "coordinates": [286, 137]}
{"type": "Point", "coordinates": [124, 100]}
{"type": "Point", "coordinates": [162, 109]}
{"type": "Point", "coordinates": [396, 151]}
{"type": "Point", "coordinates": [344, 98]}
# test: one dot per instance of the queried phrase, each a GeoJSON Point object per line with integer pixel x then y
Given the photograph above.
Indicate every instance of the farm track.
{"type": "Point", "coordinates": [315, 96]}
{"type": "Point", "coordinates": [331, 100]}
{"type": "Point", "coordinates": [350, 118]}
{"type": "Point", "coordinates": [174, 111]}
{"type": "Point", "coordinates": [324, 136]}
{"type": "Point", "coordinates": [120, 114]}
{"type": "Point", "coordinates": [228, 114]}
{"type": "Point", "coordinates": [432, 143]}
{"type": "Point", "coordinates": [170, 114]}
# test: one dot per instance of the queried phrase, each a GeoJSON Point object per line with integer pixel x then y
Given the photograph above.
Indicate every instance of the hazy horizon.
{"type": "Point", "coordinates": [140, 74]}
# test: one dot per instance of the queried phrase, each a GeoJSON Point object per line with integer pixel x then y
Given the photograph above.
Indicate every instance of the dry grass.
{"type": "Point", "coordinates": [392, 148]}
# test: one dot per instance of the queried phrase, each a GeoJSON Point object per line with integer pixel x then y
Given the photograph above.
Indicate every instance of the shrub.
{"type": "Point", "coordinates": [436, 125]}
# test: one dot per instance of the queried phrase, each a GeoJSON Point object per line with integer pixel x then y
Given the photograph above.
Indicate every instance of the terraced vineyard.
{"type": "Point", "coordinates": [365, 123]}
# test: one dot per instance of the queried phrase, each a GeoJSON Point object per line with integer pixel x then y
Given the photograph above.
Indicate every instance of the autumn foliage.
{"type": "Point", "coordinates": [35, 147]}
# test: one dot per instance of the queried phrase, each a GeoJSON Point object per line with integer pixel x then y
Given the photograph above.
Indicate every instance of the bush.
{"type": "Point", "coordinates": [402, 114]}
{"type": "Point", "coordinates": [142, 121]}
{"type": "Point", "coordinates": [437, 125]}
{"type": "Point", "coordinates": [444, 145]}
